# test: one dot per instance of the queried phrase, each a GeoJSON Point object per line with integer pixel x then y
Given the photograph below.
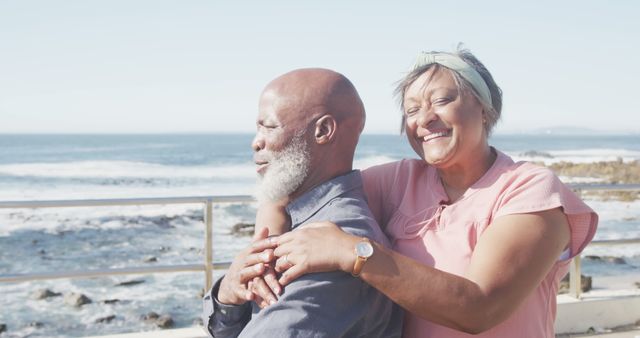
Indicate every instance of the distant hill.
{"type": "Point", "coordinates": [567, 130]}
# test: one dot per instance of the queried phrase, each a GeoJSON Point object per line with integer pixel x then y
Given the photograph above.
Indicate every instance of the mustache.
{"type": "Point", "coordinates": [265, 156]}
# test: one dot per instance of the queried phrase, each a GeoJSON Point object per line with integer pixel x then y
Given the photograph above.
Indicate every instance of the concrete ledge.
{"type": "Point", "coordinates": [191, 332]}
{"type": "Point", "coordinates": [597, 310]}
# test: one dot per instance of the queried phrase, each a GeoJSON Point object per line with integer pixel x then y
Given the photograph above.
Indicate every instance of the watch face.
{"type": "Point", "coordinates": [364, 249]}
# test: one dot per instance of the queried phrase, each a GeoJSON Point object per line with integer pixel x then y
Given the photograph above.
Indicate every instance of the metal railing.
{"type": "Point", "coordinates": [209, 266]}
{"type": "Point", "coordinates": [207, 204]}
{"type": "Point", "coordinates": [575, 274]}
{"type": "Point", "coordinates": [575, 280]}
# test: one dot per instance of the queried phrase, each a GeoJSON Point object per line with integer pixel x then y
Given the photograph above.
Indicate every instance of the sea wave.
{"type": "Point", "coordinates": [576, 155]}
{"type": "Point", "coordinates": [125, 169]}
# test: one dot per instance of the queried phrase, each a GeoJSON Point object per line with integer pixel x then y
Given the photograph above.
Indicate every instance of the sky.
{"type": "Point", "coordinates": [129, 66]}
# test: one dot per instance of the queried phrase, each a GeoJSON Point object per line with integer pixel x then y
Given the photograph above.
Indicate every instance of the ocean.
{"type": "Point", "coordinates": [51, 167]}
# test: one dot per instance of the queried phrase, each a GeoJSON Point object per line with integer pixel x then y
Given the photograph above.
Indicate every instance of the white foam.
{"type": "Point", "coordinates": [125, 169]}
{"type": "Point", "coordinates": [580, 155]}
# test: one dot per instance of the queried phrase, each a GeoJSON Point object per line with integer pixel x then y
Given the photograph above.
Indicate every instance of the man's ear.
{"type": "Point", "coordinates": [325, 130]}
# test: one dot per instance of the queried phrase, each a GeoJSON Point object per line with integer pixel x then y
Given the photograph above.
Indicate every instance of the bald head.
{"type": "Point", "coordinates": [305, 94]}
{"type": "Point", "coordinates": [316, 109]}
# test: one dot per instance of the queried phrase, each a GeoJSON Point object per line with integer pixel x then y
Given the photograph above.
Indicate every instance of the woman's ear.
{"type": "Point", "coordinates": [325, 129]}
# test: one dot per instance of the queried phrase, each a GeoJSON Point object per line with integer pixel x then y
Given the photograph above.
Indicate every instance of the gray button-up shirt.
{"type": "Point", "coordinates": [329, 304]}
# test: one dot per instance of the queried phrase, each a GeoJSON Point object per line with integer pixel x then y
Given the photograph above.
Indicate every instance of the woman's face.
{"type": "Point", "coordinates": [444, 125]}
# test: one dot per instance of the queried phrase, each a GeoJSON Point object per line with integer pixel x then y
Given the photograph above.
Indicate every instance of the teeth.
{"type": "Point", "coordinates": [434, 135]}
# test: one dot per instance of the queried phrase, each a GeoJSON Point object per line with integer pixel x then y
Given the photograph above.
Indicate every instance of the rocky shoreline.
{"type": "Point", "coordinates": [78, 300]}
{"type": "Point", "coordinates": [605, 172]}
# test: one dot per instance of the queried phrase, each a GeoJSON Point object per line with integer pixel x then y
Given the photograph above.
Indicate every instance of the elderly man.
{"type": "Point", "coordinates": [308, 124]}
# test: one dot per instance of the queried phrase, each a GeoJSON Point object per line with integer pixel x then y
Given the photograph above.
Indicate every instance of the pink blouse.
{"type": "Point", "coordinates": [408, 200]}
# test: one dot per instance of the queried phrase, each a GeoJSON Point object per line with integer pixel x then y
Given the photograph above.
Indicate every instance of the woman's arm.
{"type": "Point", "coordinates": [511, 258]}
{"type": "Point", "coordinates": [273, 216]}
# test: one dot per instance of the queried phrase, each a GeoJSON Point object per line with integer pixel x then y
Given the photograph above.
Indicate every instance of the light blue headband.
{"type": "Point", "coordinates": [458, 65]}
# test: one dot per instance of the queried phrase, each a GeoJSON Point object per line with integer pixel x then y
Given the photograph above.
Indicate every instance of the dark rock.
{"type": "Point", "coordinates": [534, 153]}
{"type": "Point", "coordinates": [42, 252]}
{"type": "Point", "coordinates": [34, 241]}
{"type": "Point", "coordinates": [585, 284]}
{"type": "Point", "coordinates": [198, 322]}
{"type": "Point", "coordinates": [606, 259]}
{"type": "Point", "coordinates": [164, 322]}
{"type": "Point", "coordinates": [150, 317]}
{"type": "Point", "coordinates": [44, 293]}
{"type": "Point", "coordinates": [131, 282]}
{"type": "Point", "coordinates": [76, 299]}
{"type": "Point", "coordinates": [164, 248]}
{"type": "Point", "coordinates": [36, 325]}
{"type": "Point", "coordinates": [110, 301]}
{"type": "Point", "coordinates": [637, 284]}
{"type": "Point", "coordinates": [3, 328]}
{"type": "Point", "coordinates": [615, 260]}
{"type": "Point", "coordinates": [242, 229]}
{"type": "Point", "coordinates": [106, 319]}
{"type": "Point", "coordinates": [150, 259]}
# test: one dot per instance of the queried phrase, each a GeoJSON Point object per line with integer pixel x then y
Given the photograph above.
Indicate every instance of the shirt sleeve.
{"type": "Point", "coordinates": [222, 320]}
{"type": "Point", "coordinates": [537, 189]}
{"type": "Point", "coordinates": [378, 182]}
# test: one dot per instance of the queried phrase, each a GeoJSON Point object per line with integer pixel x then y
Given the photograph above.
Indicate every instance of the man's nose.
{"type": "Point", "coordinates": [257, 143]}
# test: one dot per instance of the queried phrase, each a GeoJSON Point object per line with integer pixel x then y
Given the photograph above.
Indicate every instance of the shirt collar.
{"type": "Point", "coordinates": [305, 206]}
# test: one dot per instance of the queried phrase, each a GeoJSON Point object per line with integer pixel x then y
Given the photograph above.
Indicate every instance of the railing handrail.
{"type": "Point", "coordinates": [123, 201]}
{"type": "Point", "coordinates": [605, 186]}
{"type": "Point", "coordinates": [208, 265]}
{"type": "Point", "coordinates": [603, 242]}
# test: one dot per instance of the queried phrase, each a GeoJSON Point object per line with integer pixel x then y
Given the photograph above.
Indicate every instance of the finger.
{"type": "Point", "coordinates": [260, 257]}
{"type": "Point", "coordinates": [263, 244]}
{"type": "Point", "coordinates": [261, 289]}
{"type": "Point", "coordinates": [261, 233]}
{"type": "Point", "coordinates": [272, 281]}
{"type": "Point", "coordinates": [284, 263]}
{"type": "Point", "coordinates": [286, 237]}
{"type": "Point", "coordinates": [249, 272]}
{"type": "Point", "coordinates": [243, 292]}
{"type": "Point", "coordinates": [291, 274]}
{"type": "Point", "coordinates": [283, 249]}
{"type": "Point", "coordinates": [258, 300]}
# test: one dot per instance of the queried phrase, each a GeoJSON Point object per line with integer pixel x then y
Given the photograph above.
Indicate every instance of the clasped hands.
{"type": "Point", "coordinates": [260, 272]}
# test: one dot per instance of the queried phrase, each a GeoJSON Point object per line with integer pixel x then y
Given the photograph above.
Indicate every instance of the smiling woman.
{"type": "Point", "coordinates": [480, 242]}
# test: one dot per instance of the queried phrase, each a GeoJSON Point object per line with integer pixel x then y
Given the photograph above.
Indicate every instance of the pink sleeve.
{"type": "Point", "coordinates": [536, 189]}
{"type": "Point", "coordinates": [378, 184]}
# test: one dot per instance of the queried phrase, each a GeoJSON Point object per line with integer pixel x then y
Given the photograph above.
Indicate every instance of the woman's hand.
{"type": "Point", "coordinates": [317, 247]}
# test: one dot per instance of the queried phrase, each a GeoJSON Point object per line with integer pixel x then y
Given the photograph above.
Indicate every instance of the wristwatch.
{"type": "Point", "coordinates": [363, 250]}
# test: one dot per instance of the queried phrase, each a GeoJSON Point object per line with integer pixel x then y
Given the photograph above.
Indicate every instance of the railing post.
{"type": "Point", "coordinates": [575, 283]}
{"type": "Point", "coordinates": [208, 245]}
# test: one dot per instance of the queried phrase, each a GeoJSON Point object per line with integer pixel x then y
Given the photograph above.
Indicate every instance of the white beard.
{"type": "Point", "coordinates": [287, 170]}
